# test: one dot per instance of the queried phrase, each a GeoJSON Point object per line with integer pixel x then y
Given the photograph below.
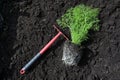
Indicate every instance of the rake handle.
{"type": "Point", "coordinates": [50, 43]}
{"type": "Point", "coordinates": [23, 70]}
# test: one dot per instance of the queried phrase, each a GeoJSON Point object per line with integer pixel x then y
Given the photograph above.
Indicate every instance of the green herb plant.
{"type": "Point", "coordinates": [80, 20]}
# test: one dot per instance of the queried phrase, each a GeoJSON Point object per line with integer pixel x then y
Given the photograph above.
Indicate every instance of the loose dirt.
{"type": "Point", "coordinates": [27, 27]}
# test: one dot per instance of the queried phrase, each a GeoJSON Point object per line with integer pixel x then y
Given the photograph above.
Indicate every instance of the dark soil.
{"type": "Point", "coordinates": [28, 27]}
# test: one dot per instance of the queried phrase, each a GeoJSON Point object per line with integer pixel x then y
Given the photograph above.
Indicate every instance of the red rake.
{"type": "Point", "coordinates": [23, 70]}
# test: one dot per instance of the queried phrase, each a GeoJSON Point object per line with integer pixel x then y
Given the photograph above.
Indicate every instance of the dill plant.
{"type": "Point", "coordinates": [80, 20]}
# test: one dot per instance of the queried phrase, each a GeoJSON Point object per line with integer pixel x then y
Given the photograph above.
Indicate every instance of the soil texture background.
{"type": "Point", "coordinates": [27, 27]}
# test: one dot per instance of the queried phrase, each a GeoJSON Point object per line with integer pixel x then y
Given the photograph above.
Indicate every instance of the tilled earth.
{"type": "Point", "coordinates": [27, 27]}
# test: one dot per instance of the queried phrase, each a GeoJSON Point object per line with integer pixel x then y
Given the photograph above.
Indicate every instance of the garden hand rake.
{"type": "Point", "coordinates": [23, 70]}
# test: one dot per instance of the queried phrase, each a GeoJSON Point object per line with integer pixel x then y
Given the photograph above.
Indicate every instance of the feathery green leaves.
{"type": "Point", "coordinates": [80, 20]}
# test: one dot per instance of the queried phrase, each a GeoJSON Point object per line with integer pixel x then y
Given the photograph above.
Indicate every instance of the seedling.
{"type": "Point", "coordinates": [80, 20]}
{"type": "Point", "coordinates": [23, 70]}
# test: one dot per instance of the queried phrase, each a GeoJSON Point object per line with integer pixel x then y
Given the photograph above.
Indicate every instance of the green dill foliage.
{"type": "Point", "coordinates": [80, 20]}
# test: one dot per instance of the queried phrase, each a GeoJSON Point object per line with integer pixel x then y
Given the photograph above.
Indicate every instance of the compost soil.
{"type": "Point", "coordinates": [27, 27]}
